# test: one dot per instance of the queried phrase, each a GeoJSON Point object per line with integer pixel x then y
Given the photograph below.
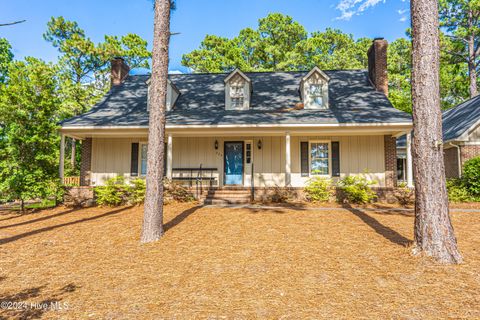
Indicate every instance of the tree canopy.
{"type": "Point", "coordinates": [84, 65]}
{"type": "Point", "coordinates": [28, 123]}
{"type": "Point", "coordinates": [279, 43]}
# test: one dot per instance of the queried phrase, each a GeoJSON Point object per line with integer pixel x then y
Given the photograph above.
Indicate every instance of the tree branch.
{"type": "Point", "coordinates": [11, 23]}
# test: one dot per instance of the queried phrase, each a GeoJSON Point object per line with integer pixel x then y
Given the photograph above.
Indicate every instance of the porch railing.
{"type": "Point", "coordinates": [71, 181]}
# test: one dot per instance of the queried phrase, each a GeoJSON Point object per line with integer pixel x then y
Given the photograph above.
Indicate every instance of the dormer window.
{"type": "Point", "coordinates": [238, 89]}
{"type": "Point", "coordinates": [316, 94]}
{"type": "Point", "coordinates": [237, 95]}
{"type": "Point", "coordinates": [314, 90]}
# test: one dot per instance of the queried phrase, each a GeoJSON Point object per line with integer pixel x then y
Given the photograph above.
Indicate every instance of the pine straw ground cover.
{"type": "Point", "coordinates": [232, 264]}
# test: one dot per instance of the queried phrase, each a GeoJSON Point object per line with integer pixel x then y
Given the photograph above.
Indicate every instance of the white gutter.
{"type": "Point", "coordinates": [298, 125]}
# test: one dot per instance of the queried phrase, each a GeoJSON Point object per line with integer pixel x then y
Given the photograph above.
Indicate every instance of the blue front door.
{"type": "Point", "coordinates": [233, 163]}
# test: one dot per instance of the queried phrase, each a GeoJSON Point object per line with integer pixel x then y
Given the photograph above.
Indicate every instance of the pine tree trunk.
{"type": "Point", "coordinates": [472, 71]}
{"type": "Point", "coordinates": [433, 233]}
{"type": "Point", "coordinates": [152, 229]}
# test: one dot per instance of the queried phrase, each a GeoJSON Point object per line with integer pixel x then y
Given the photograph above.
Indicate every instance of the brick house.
{"type": "Point", "coordinates": [248, 130]}
{"type": "Point", "coordinates": [461, 139]}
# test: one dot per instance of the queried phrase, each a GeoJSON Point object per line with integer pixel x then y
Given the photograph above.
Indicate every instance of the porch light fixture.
{"type": "Point", "coordinates": [216, 144]}
{"type": "Point", "coordinates": [259, 144]}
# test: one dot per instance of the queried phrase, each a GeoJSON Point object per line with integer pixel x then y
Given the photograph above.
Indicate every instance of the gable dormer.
{"type": "Point", "coordinates": [314, 90]}
{"type": "Point", "coordinates": [238, 90]}
{"type": "Point", "coordinates": [172, 95]}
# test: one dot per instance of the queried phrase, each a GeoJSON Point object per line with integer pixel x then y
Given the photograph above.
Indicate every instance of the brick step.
{"type": "Point", "coordinates": [222, 192]}
{"type": "Point", "coordinates": [226, 201]}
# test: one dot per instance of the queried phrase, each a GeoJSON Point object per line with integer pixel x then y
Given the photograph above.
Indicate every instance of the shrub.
{"type": "Point", "coordinates": [175, 192]}
{"type": "Point", "coordinates": [279, 195]}
{"type": "Point", "coordinates": [356, 189]}
{"type": "Point", "coordinates": [138, 188]}
{"type": "Point", "coordinates": [318, 189]}
{"type": "Point", "coordinates": [457, 191]}
{"type": "Point", "coordinates": [114, 193]}
{"type": "Point", "coordinates": [471, 176]}
{"type": "Point", "coordinates": [404, 194]}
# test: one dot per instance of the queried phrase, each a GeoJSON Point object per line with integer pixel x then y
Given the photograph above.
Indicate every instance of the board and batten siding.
{"type": "Point", "coordinates": [358, 155]}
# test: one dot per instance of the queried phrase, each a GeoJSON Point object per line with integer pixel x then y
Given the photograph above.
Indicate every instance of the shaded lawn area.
{"type": "Point", "coordinates": [232, 263]}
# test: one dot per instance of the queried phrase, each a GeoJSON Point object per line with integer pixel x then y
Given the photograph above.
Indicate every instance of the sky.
{"type": "Point", "coordinates": [194, 19]}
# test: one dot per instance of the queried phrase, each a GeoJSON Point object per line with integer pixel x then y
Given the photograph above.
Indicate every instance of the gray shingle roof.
{"type": "Point", "coordinates": [458, 120]}
{"type": "Point", "coordinates": [353, 99]}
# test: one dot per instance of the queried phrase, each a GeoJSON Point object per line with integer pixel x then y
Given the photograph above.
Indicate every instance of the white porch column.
{"type": "Point", "coordinates": [409, 161]}
{"type": "Point", "coordinates": [169, 156]}
{"type": "Point", "coordinates": [62, 157]}
{"type": "Point", "coordinates": [288, 161]}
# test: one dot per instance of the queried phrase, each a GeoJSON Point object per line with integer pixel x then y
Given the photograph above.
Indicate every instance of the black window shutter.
{"type": "Point", "coordinates": [134, 162]}
{"type": "Point", "coordinates": [304, 158]}
{"type": "Point", "coordinates": [336, 159]}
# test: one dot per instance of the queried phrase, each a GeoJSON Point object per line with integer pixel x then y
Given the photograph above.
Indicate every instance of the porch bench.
{"type": "Point", "coordinates": [195, 175]}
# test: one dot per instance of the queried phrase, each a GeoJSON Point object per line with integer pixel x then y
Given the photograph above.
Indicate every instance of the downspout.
{"type": "Point", "coordinates": [459, 158]}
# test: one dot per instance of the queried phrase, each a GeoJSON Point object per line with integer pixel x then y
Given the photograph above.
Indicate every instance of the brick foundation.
{"type": "Point", "coordinates": [86, 164]}
{"type": "Point", "coordinates": [390, 145]}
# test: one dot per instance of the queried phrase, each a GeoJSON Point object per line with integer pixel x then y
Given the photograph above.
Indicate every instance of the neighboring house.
{"type": "Point", "coordinates": [247, 130]}
{"type": "Point", "coordinates": [461, 139]}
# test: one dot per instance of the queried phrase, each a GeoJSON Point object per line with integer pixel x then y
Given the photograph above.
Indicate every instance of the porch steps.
{"type": "Point", "coordinates": [224, 196]}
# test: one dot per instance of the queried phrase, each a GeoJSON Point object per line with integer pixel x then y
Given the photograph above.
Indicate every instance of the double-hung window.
{"type": "Point", "coordinates": [237, 96]}
{"type": "Point", "coordinates": [143, 159]}
{"type": "Point", "coordinates": [319, 158]}
{"type": "Point", "coordinates": [315, 92]}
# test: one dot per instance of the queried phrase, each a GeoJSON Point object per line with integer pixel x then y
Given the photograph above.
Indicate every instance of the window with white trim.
{"type": "Point", "coordinates": [237, 95]}
{"type": "Point", "coordinates": [315, 92]}
{"type": "Point", "coordinates": [143, 159]}
{"type": "Point", "coordinates": [319, 158]}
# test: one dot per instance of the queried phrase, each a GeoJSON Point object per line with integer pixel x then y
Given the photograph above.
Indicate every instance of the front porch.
{"type": "Point", "coordinates": [243, 157]}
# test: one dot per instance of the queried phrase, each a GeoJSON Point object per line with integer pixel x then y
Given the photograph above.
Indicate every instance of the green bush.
{"type": "Point", "coordinates": [404, 194]}
{"type": "Point", "coordinates": [115, 192]}
{"type": "Point", "coordinates": [138, 189]}
{"type": "Point", "coordinates": [318, 189]}
{"type": "Point", "coordinates": [356, 189]}
{"type": "Point", "coordinates": [471, 176]}
{"type": "Point", "coordinates": [458, 191]}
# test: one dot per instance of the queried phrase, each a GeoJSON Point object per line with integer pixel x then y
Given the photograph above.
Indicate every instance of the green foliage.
{"type": "Point", "coordinates": [6, 57]}
{"type": "Point", "coordinates": [115, 192]}
{"type": "Point", "coordinates": [137, 191]}
{"type": "Point", "coordinates": [84, 65]}
{"type": "Point", "coordinates": [28, 130]}
{"type": "Point", "coordinates": [318, 189]}
{"type": "Point", "coordinates": [356, 189]}
{"type": "Point", "coordinates": [405, 195]}
{"type": "Point", "coordinates": [459, 19]}
{"type": "Point", "coordinates": [399, 71]}
{"type": "Point", "coordinates": [282, 44]}
{"type": "Point", "coordinates": [457, 191]}
{"type": "Point", "coordinates": [279, 43]}
{"type": "Point", "coordinates": [471, 176]}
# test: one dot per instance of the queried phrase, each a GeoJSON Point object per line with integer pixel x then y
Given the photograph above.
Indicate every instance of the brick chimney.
{"type": "Point", "coordinates": [377, 64]}
{"type": "Point", "coordinates": [119, 71]}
